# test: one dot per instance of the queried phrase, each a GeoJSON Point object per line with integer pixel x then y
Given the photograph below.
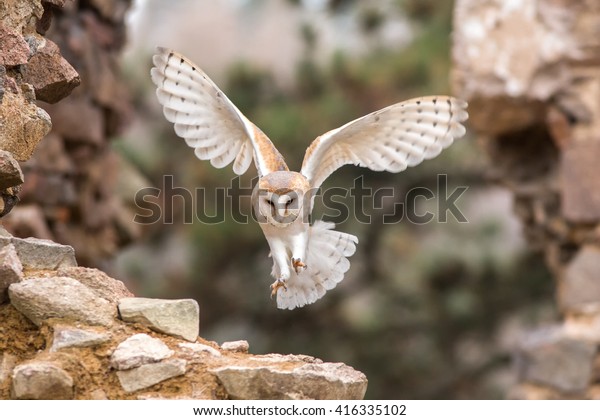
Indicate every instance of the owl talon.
{"type": "Point", "coordinates": [298, 265]}
{"type": "Point", "coordinates": [276, 286]}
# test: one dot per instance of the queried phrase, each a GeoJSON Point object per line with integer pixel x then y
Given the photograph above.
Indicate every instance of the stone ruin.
{"type": "Point", "coordinates": [532, 77]}
{"type": "Point", "coordinates": [68, 332]}
{"type": "Point", "coordinates": [531, 73]}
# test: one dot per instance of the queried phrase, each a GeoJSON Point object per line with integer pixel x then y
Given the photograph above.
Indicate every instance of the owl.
{"type": "Point", "coordinates": [308, 260]}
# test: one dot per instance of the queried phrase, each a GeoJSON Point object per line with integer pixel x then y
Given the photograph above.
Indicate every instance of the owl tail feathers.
{"type": "Point", "coordinates": [326, 262]}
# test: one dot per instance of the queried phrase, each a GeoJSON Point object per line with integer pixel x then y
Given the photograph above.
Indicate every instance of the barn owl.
{"type": "Point", "coordinates": [308, 259]}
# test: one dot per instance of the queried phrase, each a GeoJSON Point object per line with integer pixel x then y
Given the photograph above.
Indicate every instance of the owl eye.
{"type": "Point", "coordinates": [270, 203]}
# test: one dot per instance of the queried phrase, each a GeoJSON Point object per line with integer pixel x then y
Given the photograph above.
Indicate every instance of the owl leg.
{"type": "Point", "coordinates": [299, 243]}
{"type": "Point", "coordinates": [280, 258]}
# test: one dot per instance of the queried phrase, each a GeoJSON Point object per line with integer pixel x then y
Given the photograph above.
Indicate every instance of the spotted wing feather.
{"type": "Point", "coordinates": [207, 120]}
{"type": "Point", "coordinates": [391, 139]}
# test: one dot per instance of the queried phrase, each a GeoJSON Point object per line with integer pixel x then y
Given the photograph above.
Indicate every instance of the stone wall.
{"type": "Point", "coordinates": [531, 73]}
{"type": "Point", "coordinates": [70, 192]}
{"type": "Point", "coordinates": [69, 332]}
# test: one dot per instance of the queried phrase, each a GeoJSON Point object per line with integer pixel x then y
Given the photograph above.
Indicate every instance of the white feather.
{"type": "Point", "coordinates": [326, 264]}
{"type": "Point", "coordinates": [390, 139]}
{"type": "Point", "coordinates": [207, 120]}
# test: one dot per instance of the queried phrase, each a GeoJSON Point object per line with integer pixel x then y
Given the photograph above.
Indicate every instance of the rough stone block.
{"type": "Point", "coordinates": [41, 381]}
{"type": "Point", "coordinates": [137, 350]}
{"type": "Point", "coordinates": [52, 77]}
{"type": "Point", "coordinates": [580, 182]}
{"type": "Point", "coordinates": [41, 254]}
{"type": "Point", "coordinates": [147, 375]}
{"type": "Point", "coordinates": [280, 381]}
{"type": "Point", "coordinates": [549, 358]}
{"type": "Point", "coordinates": [65, 337]}
{"type": "Point", "coordinates": [179, 318]}
{"type": "Point", "coordinates": [60, 297]}
{"type": "Point", "coordinates": [579, 285]}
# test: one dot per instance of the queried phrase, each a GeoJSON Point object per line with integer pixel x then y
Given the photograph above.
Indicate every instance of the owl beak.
{"type": "Point", "coordinates": [282, 211]}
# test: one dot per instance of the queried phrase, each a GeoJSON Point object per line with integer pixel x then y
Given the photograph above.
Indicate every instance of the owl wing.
{"type": "Point", "coordinates": [207, 120]}
{"type": "Point", "coordinates": [391, 139]}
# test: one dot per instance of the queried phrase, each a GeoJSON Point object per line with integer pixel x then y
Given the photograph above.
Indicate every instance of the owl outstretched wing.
{"type": "Point", "coordinates": [391, 139]}
{"type": "Point", "coordinates": [207, 120]}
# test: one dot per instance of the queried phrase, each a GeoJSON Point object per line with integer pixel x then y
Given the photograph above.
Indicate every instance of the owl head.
{"type": "Point", "coordinates": [279, 198]}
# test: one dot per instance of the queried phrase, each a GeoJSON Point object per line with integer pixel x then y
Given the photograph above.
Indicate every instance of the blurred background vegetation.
{"type": "Point", "coordinates": [426, 311]}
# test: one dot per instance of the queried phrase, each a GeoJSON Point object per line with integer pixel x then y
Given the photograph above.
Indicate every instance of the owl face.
{"type": "Point", "coordinates": [279, 198]}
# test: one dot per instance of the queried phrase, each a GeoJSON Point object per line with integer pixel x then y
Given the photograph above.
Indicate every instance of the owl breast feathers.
{"type": "Point", "coordinates": [308, 259]}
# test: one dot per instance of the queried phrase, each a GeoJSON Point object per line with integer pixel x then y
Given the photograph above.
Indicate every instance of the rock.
{"type": "Point", "coordinates": [11, 270]}
{"type": "Point", "coordinates": [580, 185]}
{"type": "Point", "coordinates": [65, 337]}
{"type": "Point", "coordinates": [77, 118]}
{"type": "Point", "coordinates": [199, 348]}
{"type": "Point", "coordinates": [137, 350]}
{"type": "Point", "coordinates": [579, 286]}
{"type": "Point", "coordinates": [147, 375]}
{"type": "Point", "coordinates": [7, 364]}
{"type": "Point", "coordinates": [22, 124]}
{"type": "Point", "coordinates": [179, 318]}
{"type": "Point", "coordinates": [60, 297]}
{"type": "Point", "coordinates": [537, 51]}
{"type": "Point", "coordinates": [18, 14]}
{"type": "Point", "coordinates": [240, 346]}
{"type": "Point", "coordinates": [52, 77]}
{"type": "Point", "coordinates": [41, 254]}
{"type": "Point", "coordinates": [13, 48]}
{"type": "Point", "coordinates": [550, 358]}
{"type": "Point", "coordinates": [103, 285]}
{"type": "Point", "coordinates": [10, 171]}
{"type": "Point", "coordinates": [41, 381]}
{"type": "Point", "coordinates": [307, 381]}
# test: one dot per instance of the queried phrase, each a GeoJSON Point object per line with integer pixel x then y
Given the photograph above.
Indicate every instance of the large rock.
{"type": "Point", "coordinates": [41, 254]}
{"type": "Point", "coordinates": [147, 375]}
{"type": "Point", "coordinates": [11, 270]}
{"type": "Point", "coordinates": [579, 286]}
{"type": "Point", "coordinates": [60, 297]}
{"type": "Point", "coordinates": [103, 285]}
{"type": "Point", "coordinates": [41, 381]}
{"type": "Point", "coordinates": [137, 350]}
{"type": "Point", "coordinates": [22, 123]}
{"type": "Point", "coordinates": [282, 381]}
{"type": "Point", "coordinates": [179, 318]}
{"type": "Point", "coordinates": [549, 357]}
{"type": "Point", "coordinates": [50, 74]}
